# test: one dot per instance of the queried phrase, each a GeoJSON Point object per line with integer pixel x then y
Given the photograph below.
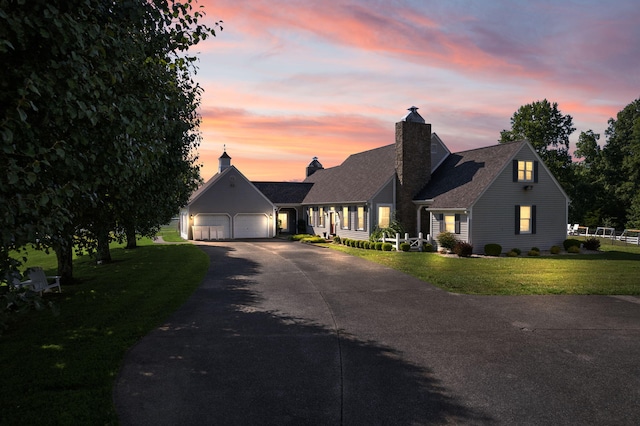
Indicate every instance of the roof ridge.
{"type": "Point", "coordinates": [490, 146]}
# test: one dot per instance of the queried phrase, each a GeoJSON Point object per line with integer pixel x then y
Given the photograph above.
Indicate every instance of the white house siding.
{"type": "Point", "coordinates": [353, 233]}
{"type": "Point", "coordinates": [496, 208]}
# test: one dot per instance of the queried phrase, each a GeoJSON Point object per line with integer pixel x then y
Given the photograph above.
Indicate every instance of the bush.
{"type": "Point", "coordinates": [447, 240]}
{"type": "Point", "coordinates": [366, 245]}
{"type": "Point", "coordinates": [463, 249]}
{"type": "Point", "coordinates": [570, 242]}
{"type": "Point", "coordinates": [573, 249]}
{"type": "Point", "coordinates": [591, 243]}
{"type": "Point", "coordinates": [428, 248]}
{"type": "Point", "coordinates": [533, 252]}
{"type": "Point", "coordinates": [336, 240]}
{"type": "Point", "coordinates": [378, 245]}
{"type": "Point", "coordinates": [555, 249]}
{"type": "Point", "coordinates": [405, 246]}
{"type": "Point", "coordinates": [512, 253]}
{"type": "Point", "coordinates": [387, 246]}
{"type": "Point", "coordinates": [493, 249]}
{"type": "Point", "coordinates": [535, 249]}
{"type": "Point", "coordinates": [517, 251]}
{"type": "Point", "coordinates": [313, 239]}
{"type": "Point", "coordinates": [299, 237]}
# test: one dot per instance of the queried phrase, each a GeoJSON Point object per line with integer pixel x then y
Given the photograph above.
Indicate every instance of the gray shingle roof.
{"type": "Point", "coordinates": [284, 192]}
{"type": "Point", "coordinates": [463, 176]}
{"type": "Point", "coordinates": [357, 179]}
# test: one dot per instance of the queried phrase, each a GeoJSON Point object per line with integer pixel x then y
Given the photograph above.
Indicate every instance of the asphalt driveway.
{"type": "Point", "coordinates": [285, 333]}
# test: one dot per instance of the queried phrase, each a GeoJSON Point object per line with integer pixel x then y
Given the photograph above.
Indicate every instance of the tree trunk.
{"type": "Point", "coordinates": [64, 253]}
{"type": "Point", "coordinates": [103, 254]}
{"type": "Point", "coordinates": [131, 237]}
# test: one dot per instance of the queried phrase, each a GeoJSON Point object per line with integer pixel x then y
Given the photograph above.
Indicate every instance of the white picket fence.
{"type": "Point", "coordinates": [416, 242]}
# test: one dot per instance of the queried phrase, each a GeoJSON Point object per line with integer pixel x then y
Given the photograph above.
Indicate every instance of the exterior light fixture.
{"type": "Point", "coordinates": [528, 187]}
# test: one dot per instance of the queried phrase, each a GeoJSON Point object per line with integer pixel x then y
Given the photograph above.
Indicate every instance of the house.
{"type": "Point", "coordinates": [500, 194]}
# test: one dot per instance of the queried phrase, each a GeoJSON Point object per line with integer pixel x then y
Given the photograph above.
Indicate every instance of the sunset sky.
{"type": "Point", "coordinates": [287, 80]}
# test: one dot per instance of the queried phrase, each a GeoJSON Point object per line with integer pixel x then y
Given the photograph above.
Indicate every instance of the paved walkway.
{"type": "Point", "coordinates": [284, 333]}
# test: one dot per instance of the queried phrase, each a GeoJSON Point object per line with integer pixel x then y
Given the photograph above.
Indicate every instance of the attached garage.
{"type": "Point", "coordinates": [211, 226]}
{"type": "Point", "coordinates": [251, 225]}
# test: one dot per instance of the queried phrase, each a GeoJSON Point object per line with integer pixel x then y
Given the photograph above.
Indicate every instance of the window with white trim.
{"type": "Point", "coordinates": [360, 218]}
{"type": "Point", "coordinates": [525, 219]}
{"type": "Point", "coordinates": [450, 223]}
{"type": "Point", "coordinates": [384, 216]}
{"type": "Point", "coordinates": [345, 217]}
{"type": "Point", "coordinates": [321, 217]}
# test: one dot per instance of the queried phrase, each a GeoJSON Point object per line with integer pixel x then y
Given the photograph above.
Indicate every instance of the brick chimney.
{"type": "Point", "coordinates": [413, 165]}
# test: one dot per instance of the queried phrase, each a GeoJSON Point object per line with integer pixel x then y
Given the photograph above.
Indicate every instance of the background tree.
{"type": "Point", "coordinates": [620, 167]}
{"type": "Point", "coordinates": [548, 130]}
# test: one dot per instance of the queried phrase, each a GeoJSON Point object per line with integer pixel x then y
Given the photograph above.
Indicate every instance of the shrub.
{"type": "Point", "coordinates": [366, 245]}
{"type": "Point", "coordinates": [299, 237]}
{"type": "Point", "coordinates": [570, 242]}
{"type": "Point", "coordinates": [493, 249]}
{"type": "Point", "coordinates": [533, 252]}
{"type": "Point", "coordinates": [428, 248]}
{"type": "Point", "coordinates": [405, 246]}
{"type": "Point", "coordinates": [387, 246]}
{"type": "Point", "coordinates": [591, 243]}
{"type": "Point", "coordinates": [573, 249]}
{"type": "Point", "coordinates": [512, 253]}
{"type": "Point", "coordinates": [535, 249]}
{"type": "Point", "coordinates": [447, 240]}
{"type": "Point", "coordinates": [313, 239]}
{"type": "Point", "coordinates": [555, 249]}
{"type": "Point", "coordinates": [517, 251]}
{"type": "Point", "coordinates": [463, 249]}
{"type": "Point", "coordinates": [336, 240]}
{"type": "Point", "coordinates": [378, 245]}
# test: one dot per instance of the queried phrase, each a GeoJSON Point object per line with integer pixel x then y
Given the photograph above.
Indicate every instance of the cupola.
{"type": "Point", "coordinates": [224, 161]}
{"type": "Point", "coordinates": [314, 166]}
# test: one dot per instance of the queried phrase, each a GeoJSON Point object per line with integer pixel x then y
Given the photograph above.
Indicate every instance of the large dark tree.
{"type": "Point", "coordinates": [91, 95]}
{"type": "Point", "coordinates": [548, 130]}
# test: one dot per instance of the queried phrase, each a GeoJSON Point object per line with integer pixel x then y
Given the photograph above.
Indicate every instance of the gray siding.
{"type": "Point", "coordinates": [436, 223]}
{"type": "Point", "coordinates": [493, 215]}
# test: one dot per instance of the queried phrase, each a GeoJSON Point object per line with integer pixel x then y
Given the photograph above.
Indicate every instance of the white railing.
{"type": "Point", "coordinates": [416, 242]}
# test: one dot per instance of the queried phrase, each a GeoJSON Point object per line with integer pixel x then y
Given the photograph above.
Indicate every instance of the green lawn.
{"type": "Point", "coordinates": [615, 271]}
{"type": "Point", "coordinates": [61, 369]}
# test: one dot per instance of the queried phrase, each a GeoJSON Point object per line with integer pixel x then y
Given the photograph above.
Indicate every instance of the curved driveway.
{"type": "Point", "coordinates": [285, 333]}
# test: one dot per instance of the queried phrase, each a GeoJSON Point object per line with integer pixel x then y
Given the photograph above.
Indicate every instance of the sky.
{"type": "Point", "coordinates": [289, 80]}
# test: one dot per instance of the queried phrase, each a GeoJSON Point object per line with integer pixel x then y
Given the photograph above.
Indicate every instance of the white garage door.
{"type": "Point", "coordinates": [250, 226]}
{"type": "Point", "coordinates": [211, 227]}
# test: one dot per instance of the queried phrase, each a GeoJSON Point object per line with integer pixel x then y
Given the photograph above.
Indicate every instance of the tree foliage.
{"type": "Point", "coordinates": [548, 130]}
{"type": "Point", "coordinates": [97, 117]}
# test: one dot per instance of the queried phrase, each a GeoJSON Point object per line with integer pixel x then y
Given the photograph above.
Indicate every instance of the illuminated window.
{"type": "Point", "coordinates": [321, 216]}
{"type": "Point", "coordinates": [450, 222]}
{"type": "Point", "coordinates": [384, 216]}
{"type": "Point", "coordinates": [360, 218]}
{"type": "Point", "coordinates": [525, 219]}
{"type": "Point", "coordinates": [525, 171]}
{"type": "Point", "coordinates": [310, 216]}
{"type": "Point", "coordinates": [345, 218]}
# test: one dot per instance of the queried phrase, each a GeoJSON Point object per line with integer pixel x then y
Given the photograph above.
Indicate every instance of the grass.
{"type": "Point", "coordinates": [61, 369]}
{"type": "Point", "coordinates": [615, 271]}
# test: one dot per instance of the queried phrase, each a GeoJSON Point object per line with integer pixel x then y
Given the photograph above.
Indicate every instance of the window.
{"type": "Point", "coordinates": [384, 216]}
{"type": "Point", "coordinates": [525, 219]}
{"type": "Point", "coordinates": [310, 216]}
{"type": "Point", "coordinates": [345, 218]}
{"type": "Point", "coordinates": [321, 216]}
{"type": "Point", "coordinates": [450, 223]}
{"type": "Point", "coordinates": [525, 171]}
{"type": "Point", "coordinates": [360, 218]}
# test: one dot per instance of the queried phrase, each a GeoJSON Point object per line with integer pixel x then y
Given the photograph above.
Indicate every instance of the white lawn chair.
{"type": "Point", "coordinates": [39, 282]}
{"type": "Point", "coordinates": [575, 229]}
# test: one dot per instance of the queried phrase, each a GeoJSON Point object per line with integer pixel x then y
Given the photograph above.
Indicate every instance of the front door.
{"type": "Point", "coordinates": [332, 223]}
